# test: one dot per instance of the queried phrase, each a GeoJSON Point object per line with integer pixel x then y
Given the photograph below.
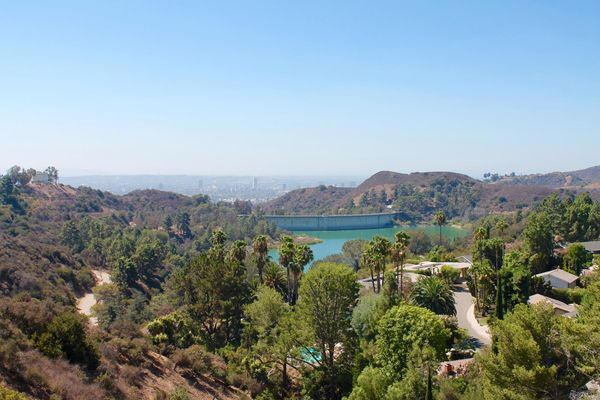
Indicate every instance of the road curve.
{"type": "Point", "coordinates": [465, 313]}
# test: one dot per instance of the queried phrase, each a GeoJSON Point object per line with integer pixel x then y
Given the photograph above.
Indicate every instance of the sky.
{"type": "Point", "coordinates": [299, 87]}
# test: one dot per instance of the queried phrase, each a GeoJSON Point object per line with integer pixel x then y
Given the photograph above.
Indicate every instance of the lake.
{"type": "Point", "coordinates": [334, 240]}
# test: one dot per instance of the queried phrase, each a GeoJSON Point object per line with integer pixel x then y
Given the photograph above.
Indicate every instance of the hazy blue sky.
{"type": "Point", "coordinates": [300, 87]}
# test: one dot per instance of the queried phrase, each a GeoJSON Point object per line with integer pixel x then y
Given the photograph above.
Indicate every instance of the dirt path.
{"type": "Point", "coordinates": [85, 303]}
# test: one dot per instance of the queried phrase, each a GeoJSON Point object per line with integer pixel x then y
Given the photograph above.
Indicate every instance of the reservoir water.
{"type": "Point", "coordinates": [332, 241]}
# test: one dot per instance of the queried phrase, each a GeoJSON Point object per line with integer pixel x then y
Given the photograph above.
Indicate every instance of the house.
{"type": "Point", "coordinates": [593, 246]}
{"type": "Point", "coordinates": [41, 177]}
{"type": "Point", "coordinates": [559, 307]}
{"type": "Point", "coordinates": [559, 279]}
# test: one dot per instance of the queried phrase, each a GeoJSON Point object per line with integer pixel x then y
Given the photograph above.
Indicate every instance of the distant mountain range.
{"type": "Point", "coordinates": [418, 195]}
{"type": "Point", "coordinates": [588, 178]}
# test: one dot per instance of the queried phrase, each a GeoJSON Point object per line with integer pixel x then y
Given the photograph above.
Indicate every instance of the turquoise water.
{"type": "Point", "coordinates": [334, 240]}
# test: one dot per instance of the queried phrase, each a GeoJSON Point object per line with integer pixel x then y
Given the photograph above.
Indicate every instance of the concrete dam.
{"type": "Point", "coordinates": [332, 222]}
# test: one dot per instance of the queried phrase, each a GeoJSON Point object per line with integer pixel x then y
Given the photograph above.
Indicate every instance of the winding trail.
{"type": "Point", "coordinates": [85, 303]}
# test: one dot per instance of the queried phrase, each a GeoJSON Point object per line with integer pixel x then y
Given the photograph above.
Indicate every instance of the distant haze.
{"type": "Point", "coordinates": [300, 88]}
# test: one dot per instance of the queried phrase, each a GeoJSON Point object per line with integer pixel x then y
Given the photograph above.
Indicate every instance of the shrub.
{"type": "Point", "coordinates": [180, 393]}
{"type": "Point", "coordinates": [9, 394]}
{"type": "Point", "coordinates": [66, 336]}
{"type": "Point", "coordinates": [65, 380]}
{"type": "Point", "coordinates": [568, 295]}
{"type": "Point", "coordinates": [194, 358]}
{"type": "Point", "coordinates": [449, 274]}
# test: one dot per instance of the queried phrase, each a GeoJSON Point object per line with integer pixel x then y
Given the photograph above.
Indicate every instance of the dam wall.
{"type": "Point", "coordinates": [332, 222]}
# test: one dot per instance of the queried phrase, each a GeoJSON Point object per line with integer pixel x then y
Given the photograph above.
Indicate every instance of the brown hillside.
{"type": "Point", "coordinates": [416, 196]}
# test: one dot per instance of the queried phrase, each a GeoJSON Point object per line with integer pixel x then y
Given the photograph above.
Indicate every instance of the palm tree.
{"type": "Point", "coordinates": [274, 276]}
{"type": "Point", "coordinates": [368, 260]}
{"type": "Point", "coordinates": [218, 237]}
{"type": "Point", "coordinates": [501, 226]}
{"type": "Point", "coordinates": [440, 220]}
{"type": "Point", "coordinates": [302, 256]}
{"type": "Point", "coordinates": [260, 247]}
{"type": "Point", "coordinates": [287, 249]}
{"type": "Point", "coordinates": [434, 294]}
{"type": "Point", "coordinates": [398, 255]}
{"type": "Point", "coordinates": [381, 250]}
{"type": "Point", "coordinates": [237, 252]}
{"type": "Point", "coordinates": [481, 273]}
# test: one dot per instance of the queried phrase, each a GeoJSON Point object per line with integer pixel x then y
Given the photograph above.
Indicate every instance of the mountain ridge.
{"type": "Point", "coordinates": [417, 195]}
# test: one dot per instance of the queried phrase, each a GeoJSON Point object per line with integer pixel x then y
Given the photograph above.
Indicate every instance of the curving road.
{"type": "Point", "coordinates": [465, 313]}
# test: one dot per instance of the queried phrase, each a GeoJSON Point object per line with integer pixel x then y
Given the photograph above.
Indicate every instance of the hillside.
{"type": "Point", "coordinates": [588, 178]}
{"type": "Point", "coordinates": [52, 236]}
{"type": "Point", "coordinates": [416, 196]}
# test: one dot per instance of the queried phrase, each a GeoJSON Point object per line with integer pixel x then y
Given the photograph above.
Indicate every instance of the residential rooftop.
{"type": "Point", "coordinates": [559, 274]}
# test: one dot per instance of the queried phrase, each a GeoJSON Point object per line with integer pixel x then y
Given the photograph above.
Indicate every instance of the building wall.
{"type": "Point", "coordinates": [332, 222]}
{"type": "Point", "coordinates": [557, 283]}
{"type": "Point", "coordinates": [41, 177]}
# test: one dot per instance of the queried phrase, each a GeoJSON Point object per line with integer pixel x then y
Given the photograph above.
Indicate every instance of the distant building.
{"type": "Point", "coordinates": [559, 279]}
{"type": "Point", "coordinates": [593, 246]}
{"type": "Point", "coordinates": [41, 177]}
{"type": "Point", "coordinates": [559, 307]}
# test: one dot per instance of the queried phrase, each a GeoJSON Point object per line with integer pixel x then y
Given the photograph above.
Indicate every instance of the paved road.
{"type": "Point", "coordinates": [465, 313]}
{"type": "Point", "coordinates": [85, 303]}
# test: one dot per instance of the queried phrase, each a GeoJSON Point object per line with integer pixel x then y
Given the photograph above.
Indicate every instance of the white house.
{"type": "Point", "coordinates": [559, 307]}
{"type": "Point", "coordinates": [559, 279]}
{"type": "Point", "coordinates": [41, 177]}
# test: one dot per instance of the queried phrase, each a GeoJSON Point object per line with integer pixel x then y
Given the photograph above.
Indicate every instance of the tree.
{"type": "Point", "coordinates": [369, 261]}
{"type": "Point", "coordinates": [434, 294]}
{"type": "Point", "coordinates": [52, 174]}
{"type": "Point", "coordinates": [372, 384]}
{"type": "Point", "coordinates": [481, 274]}
{"type": "Point", "coordinates": [9, 195]}
{"type": "Point", "coordinates": [260, 248]}
{"type": "Point", "coordinates": [287, 249]}
{"type": "Point", "coordinates": [71, 236]}
{"type": "Point", "coordinates": [403, 328]}
{"type": "Point", "coordinates": [391, 293]}
{"type": "Point", "coordinates": [124, 273]}
{"type": "Point", "coordinates": [19, 175]}
{"type": "Point", "coordinates": [380, 250]}
{"type": "Point", "coordinates": [65, 336]}
{"type": "Point", "coordinates": [303, 255]}
{"type": "Point", "coordinates": [213, 291]}
{"type": "Point", "coordinates": [420, 242]}
{"type": "Point", "coordinates": [327, 296]}
{"type": "Point", "coordinates": [440, 219]}
{"type": "Point", "coordinates": [576, 258]}
{"type": "Point", "coordinates": [182, 222]}
{"type": "Point", "coordinates": [531, 358]}
{"type": "Point", "coordinates": [217, 240]}
{"type": "Point", "coordinates": [168, 223]}
{"type": "Point", "coordinates": [353, 250]}
{"type": "Point", "coordinates": [499, 297]}
{"type": "Point", "coordinates": [237, 252]}
{"type": "Point", "coordinates": [268, 320]}
{"type": "Point", "coordinates": [538, 237]}
{"type": "Point", "coordinates": [398, 256]}
{"type": "Point", "coordinates": [274, 277]}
